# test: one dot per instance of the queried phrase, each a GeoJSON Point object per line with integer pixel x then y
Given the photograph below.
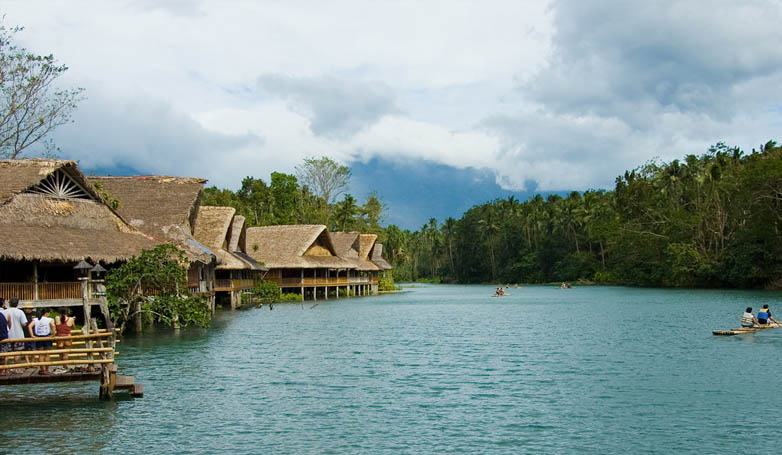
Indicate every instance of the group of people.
{"type": "Point", "coordinates": [18, 324]}
{"type": "Point", "coordinates": [763, 318]}
{"type": "Point", "coordinates": [499, 292]}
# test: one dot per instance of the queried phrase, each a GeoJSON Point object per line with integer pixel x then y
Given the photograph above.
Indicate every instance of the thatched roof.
{"type": "Point", "coordinates": [366, 242]}
{"type": "Point", "coordinates": [211, 227]}
{"type": "Point", "coordinates": [377, 257]}
{"type": "Point", "coordinates": [161, 206]}
{"type": "Point", "coordinates": [305, 246]}
{"type": "Point", "coordinates": [20, 175]}
{"type": "Point", "coordinates": [348, 246]}
{"type": "Point", "coordinates": [219, 229]}
{"type": "Point", "coordinates": [345, 244]}
{"type": "Point", "coordinates": [50, 228]}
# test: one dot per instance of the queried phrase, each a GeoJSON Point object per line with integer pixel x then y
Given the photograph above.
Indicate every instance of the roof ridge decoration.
{"type": "Point", "coordinates": [60, 185]}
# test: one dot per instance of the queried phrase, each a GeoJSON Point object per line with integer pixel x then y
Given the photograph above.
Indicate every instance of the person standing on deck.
{"type": "Point", "coordinates": [43, 326]}
{"type": "Point", "coordinates": [4, 347]}
{"type": "Point", "coordinates": [764, 316]}
{"type": "Point", "coordinates": [748, 319]}
{"type": "Point", "coordinates": [18, 321]}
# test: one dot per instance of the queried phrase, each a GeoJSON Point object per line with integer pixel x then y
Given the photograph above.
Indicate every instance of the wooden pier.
{"type": "Point", "coordinates": [89, 358]}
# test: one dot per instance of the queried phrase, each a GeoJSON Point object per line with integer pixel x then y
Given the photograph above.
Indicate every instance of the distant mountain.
{"type": "Point", "coordinates": [413, 191]}
{"type": "Point", "coordinates": [417, 191]}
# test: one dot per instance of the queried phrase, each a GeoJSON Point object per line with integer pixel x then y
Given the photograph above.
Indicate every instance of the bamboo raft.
{"type": "Point", "coordinates": [743, 330]}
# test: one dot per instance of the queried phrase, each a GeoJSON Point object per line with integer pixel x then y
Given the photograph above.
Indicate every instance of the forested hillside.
{"type": "Point", "coordinates": [710, 220]}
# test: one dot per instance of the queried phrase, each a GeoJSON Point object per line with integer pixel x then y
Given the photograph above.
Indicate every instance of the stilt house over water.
{"type": "Point", "coordinates": [166, 208]}
{"type": "Point", "coordinates": [52, 220]}
{"type": "Point", "coordinates": [363, 278]}
{"type": "Point", "coordinates": [224, 232]}
{"type": "Point", "coordinates": [301, 259]}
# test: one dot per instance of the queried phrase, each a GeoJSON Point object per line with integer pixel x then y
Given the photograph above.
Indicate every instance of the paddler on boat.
{"type": "Point", "coordinates": [748, 319]}
{"type": "Point", "coordinates": [764, 316]}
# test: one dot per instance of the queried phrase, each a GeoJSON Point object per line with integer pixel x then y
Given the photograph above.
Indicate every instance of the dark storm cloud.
{"type": "Point", "coordinates": [631, 81]}
{"type": "Point", "coordinates": [336, 107]}
{"type": "Point", "coordinates": [148, 136]}
{"type": "Point", "coordinates": [630, 59]}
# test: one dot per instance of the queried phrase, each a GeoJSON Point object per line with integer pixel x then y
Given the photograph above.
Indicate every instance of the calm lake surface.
{"type": "Point", "coordinates": [435, 369]}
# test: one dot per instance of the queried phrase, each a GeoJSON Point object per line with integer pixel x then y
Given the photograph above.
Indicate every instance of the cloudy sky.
{"type": "Point", "coordinates": [436, 105]}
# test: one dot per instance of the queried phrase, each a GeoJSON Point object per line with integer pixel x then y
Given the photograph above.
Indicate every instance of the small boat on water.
{"type": "Point", "coordinates": [743, 330]}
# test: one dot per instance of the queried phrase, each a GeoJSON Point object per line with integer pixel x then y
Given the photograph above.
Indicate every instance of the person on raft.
{"type": "Point", "coordinates": [764, 316]}
{"type": "Point", "coordinates": [748, 319]}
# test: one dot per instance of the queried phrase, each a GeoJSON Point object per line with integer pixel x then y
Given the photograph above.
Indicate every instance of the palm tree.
{"type": "Point", "coordinates": [345, 211]}
{"type": "Point", "coordinates": [449, 232]}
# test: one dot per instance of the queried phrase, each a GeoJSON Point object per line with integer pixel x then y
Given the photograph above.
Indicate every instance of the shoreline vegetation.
{"type": "Point", "coordinates": [708, 221]}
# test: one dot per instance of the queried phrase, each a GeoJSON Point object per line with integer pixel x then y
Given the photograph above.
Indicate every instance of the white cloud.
{"type": "Point", "coordinates": [567, 94]}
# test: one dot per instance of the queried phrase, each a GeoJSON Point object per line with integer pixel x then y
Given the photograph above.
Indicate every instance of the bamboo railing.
{"type": "Point", "coordinates": [226, 284]}
{"type": "Point", "coordinates": [46, 291]}
{"type": "Point", "coordinates": [95, 355]}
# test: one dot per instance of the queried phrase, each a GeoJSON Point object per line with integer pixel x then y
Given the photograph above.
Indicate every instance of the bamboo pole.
{"type": "Point", "coordinates": [54, 363]}
{"type": "Point", "coordinates": [55, 338]}
{"type": "Point", "coordinates": [55, 351]}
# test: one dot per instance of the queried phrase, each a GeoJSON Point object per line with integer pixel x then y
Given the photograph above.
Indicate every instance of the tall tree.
{"type": "Point", "coordinates": [31, 106]}
{"type": "Point", "coordinates": [324, 176]}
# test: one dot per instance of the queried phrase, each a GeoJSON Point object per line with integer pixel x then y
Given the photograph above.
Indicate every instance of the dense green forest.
{"type": "Point", "coordinates": [711, 220]}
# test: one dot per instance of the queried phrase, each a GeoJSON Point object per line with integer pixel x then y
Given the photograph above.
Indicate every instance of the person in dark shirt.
{"type": "Point", "coordinates": [4, 347]}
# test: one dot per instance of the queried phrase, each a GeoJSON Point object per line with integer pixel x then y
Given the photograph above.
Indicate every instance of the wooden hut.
{"type": "Point", "coordinates": [301, 259]}
{"type": "Point", "coordinates": [52, 219]}
{"type": "Point", "coordinates": [166, 208]}
{"type": "Point", "coordinates": [224, 232]}
{"type": "Point", "coordinates": [355, 247]}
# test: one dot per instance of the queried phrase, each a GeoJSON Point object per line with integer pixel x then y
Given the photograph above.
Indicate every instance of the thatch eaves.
{"type": "Point", "coordinates": [161, 206]}
{"type": "Point", "coordinates": [345, 244]}
{"type": "Point", "coordinates": [221, 230]}
{"type": "Point", "coordinates": [154, 203]}
{"type": "Point", "coordinates": [366, 242]}
{"type": "Point", "coordinates": [377, 257]}
{"type": "Point", "coordinates": [348, 246]}
{"type": "Point", "coordinates": [294, 246]}
{"type": "Point", "coordinates": [19, 176]}
{"type": "Point", "coordinates": [35, 227]}
{"type": "Point", "coordinates": [212, 224]}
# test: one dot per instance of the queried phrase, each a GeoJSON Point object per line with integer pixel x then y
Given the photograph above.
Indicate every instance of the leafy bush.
{"type": "Point", "coordinates": [267, 291]}
{"type": "Point", "coordinates": [153, 286]}
{"type": "Point", "coordinates": [290, 297]}
{"type": "Point", "coordinates": [386, 283]}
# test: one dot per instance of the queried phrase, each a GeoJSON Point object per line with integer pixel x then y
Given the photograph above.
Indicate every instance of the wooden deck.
{"type": "Point", "coordinates": [93, 362]}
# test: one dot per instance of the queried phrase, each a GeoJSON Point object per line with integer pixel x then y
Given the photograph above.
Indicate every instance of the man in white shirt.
{"type": "Point", "coordinates": [18, 320]}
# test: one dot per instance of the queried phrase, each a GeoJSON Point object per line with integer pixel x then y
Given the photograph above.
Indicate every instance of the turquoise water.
{"type": "Point", "coordinates": [435, 369]}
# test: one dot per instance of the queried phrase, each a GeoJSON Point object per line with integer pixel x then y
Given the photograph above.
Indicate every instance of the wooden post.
{"type": "Point", "coordinates": [35, 280]}
{"type": "Point", "coordinates": [86, 306]}
{"type": "Point", "coordinates": [105, 376]}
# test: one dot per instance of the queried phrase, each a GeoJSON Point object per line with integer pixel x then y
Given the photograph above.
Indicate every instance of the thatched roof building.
{"type": "Point", "coordinates": [305, 246]}
{"type": "Point", "coordinates": [348, 246]}
{"type": "Point", "coordinates": [50, 212]}
{"type": "Point", "coordinates": [376, 256]}
{"type": "Point", "coordinates": [161, 206]}
{"type": "Point", "coordinates": [221, 230]}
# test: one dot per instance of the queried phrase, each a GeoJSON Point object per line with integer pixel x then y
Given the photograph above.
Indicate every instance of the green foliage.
{"type": "Point", "coordinates": [324, 176]}
{"type": "Point", "coordinates": [267, 291]}
{"type": "Point", "coordinates": [709, 220]}
{"type": "Point", "coordinates": [32, 107]}
{"type": "Point", "coordinates": [110, 200]}
{"type": "Point", "coordinates": [290, 297]}
{"type": "Point", "coordinates": [154, 284]}
{"type": "Point", "coordinates": [386, 283]}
